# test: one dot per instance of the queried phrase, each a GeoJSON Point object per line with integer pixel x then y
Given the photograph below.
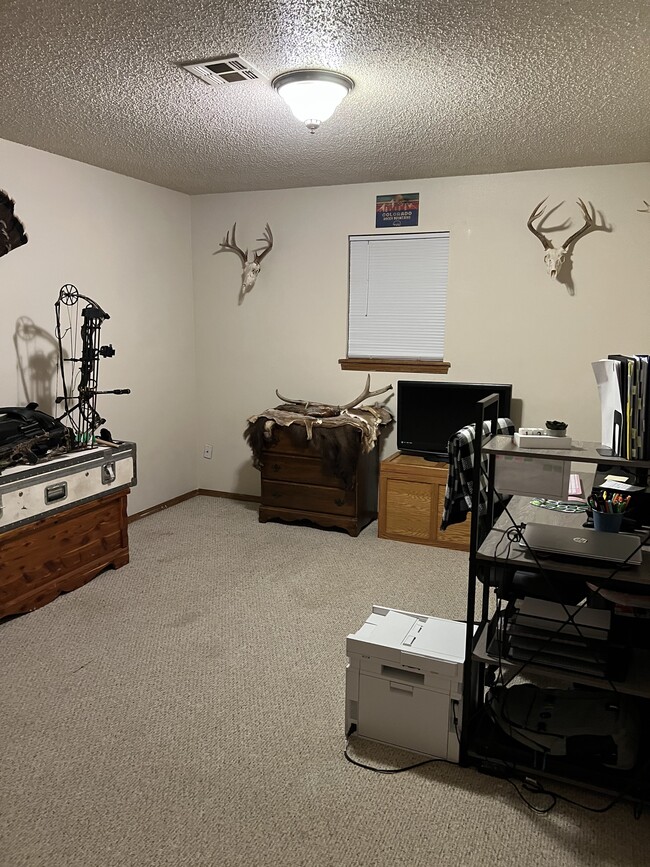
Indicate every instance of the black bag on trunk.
{"type": "Point", "coordinates": [27, 434]}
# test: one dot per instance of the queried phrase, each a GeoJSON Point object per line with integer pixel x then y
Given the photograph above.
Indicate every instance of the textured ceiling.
{"type": "Point", "coordinates": [442, 87]}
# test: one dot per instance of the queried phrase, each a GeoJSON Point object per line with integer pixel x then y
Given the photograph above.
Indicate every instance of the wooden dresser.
{"type": "Point", "coordinates": [411, 503]}
{"type": "Point", "coordinates": [295, 487]}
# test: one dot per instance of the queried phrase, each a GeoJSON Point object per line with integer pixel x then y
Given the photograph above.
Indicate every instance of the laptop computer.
{"type": "Point", "coordinates": [583, 543]}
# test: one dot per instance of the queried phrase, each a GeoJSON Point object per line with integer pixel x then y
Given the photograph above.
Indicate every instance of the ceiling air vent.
{"type": "Point", "coordinates": [224, 70]}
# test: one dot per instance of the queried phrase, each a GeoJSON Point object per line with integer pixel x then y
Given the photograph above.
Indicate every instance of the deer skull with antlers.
{"type": "Point", "coordinates": [554, 256]}
{"type": "Point", "coordinates": [250, 269]}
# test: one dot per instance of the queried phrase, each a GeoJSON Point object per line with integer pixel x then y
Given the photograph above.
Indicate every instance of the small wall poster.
{"type": "Point", "coordinates": [398, 209]}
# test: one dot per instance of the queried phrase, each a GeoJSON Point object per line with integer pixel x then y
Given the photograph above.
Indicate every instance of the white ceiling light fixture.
{"type": "Point", "coordinates": [313, 94]}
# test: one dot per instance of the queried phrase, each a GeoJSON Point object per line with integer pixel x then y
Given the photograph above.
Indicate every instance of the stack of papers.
{"type": "Point", "coordinates": [540, 631]}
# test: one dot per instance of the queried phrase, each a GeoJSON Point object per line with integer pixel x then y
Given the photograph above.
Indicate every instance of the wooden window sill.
{"type": "Point", "coordinates": [405, 365]}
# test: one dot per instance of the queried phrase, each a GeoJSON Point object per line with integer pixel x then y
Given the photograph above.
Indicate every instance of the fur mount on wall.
{"type": "Point", "coordinates": [12, 231]}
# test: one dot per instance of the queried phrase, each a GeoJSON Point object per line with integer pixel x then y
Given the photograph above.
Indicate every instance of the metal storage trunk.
{"type": "Point", "coordinates": [28, 493]}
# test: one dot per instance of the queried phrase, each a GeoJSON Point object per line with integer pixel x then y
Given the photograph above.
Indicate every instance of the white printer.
{"type": "Point", "coordinates": [404, 681]}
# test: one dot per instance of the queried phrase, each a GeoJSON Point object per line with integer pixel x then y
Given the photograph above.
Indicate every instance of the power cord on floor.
{"type": "Point", "coordinates": [383, 770]}
{"type": "Point", "coordinates": [536, 788]}
{"type": "Point", "coordinates": [531, 806]}
{"type": "Point", "coordinates": [388, 770]}
{"type": "Point", "coordinates": [529, 785]}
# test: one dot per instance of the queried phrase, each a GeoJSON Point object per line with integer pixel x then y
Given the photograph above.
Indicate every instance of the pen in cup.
{"type": "Point", "coordinates": [607, 503]}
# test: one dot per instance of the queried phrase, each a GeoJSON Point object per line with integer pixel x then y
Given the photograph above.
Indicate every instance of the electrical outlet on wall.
{"type": "Point", "coordinates": [207, 452]}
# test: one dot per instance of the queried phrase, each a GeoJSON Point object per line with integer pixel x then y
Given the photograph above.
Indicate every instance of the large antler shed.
{"type": "Point", "coordinates": [317, 408]}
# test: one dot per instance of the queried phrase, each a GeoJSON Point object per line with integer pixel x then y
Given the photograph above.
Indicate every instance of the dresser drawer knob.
{"type": "Point", "coordinates": [276, 468]}
{"type": "Point", "coordinates": [276, 494]}
{"type": "Point", "coordinates": [339, 501]}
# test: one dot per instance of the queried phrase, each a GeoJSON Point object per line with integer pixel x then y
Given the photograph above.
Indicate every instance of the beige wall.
{"type": "Point", "coordinates": [126, 244]}
{"type": "Point", "coordinates": [507, 320]}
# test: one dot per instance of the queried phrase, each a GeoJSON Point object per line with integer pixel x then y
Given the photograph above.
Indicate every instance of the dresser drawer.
{"type": "Point", "coordinates": [292, 443]}
{"type": "Point", "coordinates": [308, 498]}
{"type": "Point", "coordinates": [290, 468]}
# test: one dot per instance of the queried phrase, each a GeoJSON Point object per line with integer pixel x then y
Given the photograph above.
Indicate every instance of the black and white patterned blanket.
{"type": "Point", "coordinates": [460, 481]}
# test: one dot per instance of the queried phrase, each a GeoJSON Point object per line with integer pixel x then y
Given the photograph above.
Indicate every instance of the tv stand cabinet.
{"type": "Point", "coordinates": [411, 503]}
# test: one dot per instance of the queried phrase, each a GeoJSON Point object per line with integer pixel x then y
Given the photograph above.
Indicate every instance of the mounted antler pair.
{"type": "Point", "coordinates": [554, 256]}
{"type": "Point", "coordinates": [325, 410]}
{"type": "Point", "coordinates": [252, 268]}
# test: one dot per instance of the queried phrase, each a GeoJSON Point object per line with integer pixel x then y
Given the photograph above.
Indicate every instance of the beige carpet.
{"type": "Point", "coordinates": [188, 710]}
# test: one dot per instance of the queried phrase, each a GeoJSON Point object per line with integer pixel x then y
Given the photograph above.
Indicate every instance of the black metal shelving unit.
{"type": "Point", "coordinates": [483, 743]}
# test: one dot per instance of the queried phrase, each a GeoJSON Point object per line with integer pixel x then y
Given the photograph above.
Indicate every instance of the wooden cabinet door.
{"type": "Point", "coordinates": [406, 510]}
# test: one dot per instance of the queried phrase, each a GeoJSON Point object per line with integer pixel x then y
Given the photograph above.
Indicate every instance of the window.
{"type": "Point", "coordinates": [397, 302]}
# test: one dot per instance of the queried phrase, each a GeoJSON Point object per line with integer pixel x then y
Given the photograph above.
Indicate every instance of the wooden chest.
{"type": "Point", "coordinates": [60, 552]}
{"type": "Point", "coordinates": [295, 487]}
{"type": "Point", "coordinates": [411, 503]}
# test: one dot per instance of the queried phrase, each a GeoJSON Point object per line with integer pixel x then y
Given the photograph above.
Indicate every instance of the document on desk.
{"type": "Point", "coordinates": [611, 409]}
{"type": "Point", "coordinates": [621, 486]}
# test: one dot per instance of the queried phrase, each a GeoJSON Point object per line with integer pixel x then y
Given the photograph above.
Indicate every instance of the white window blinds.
{"type": "Point", "coordinates": [398, 295]}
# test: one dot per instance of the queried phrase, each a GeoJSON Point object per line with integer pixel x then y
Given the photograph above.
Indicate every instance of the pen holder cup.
{"type": "Point", "coordinates": [608, 522]}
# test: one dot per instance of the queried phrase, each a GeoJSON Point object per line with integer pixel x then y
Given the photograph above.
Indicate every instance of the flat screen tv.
{"type": "Point", "coordinates": [428, 413]}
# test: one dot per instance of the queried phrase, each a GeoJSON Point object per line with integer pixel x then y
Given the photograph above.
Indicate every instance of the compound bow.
{"type": "Point", "coordinates": [82, 415]}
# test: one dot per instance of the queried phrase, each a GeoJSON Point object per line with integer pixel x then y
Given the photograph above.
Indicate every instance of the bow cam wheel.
{"type": "Point", "coordinates": [69, 294]}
